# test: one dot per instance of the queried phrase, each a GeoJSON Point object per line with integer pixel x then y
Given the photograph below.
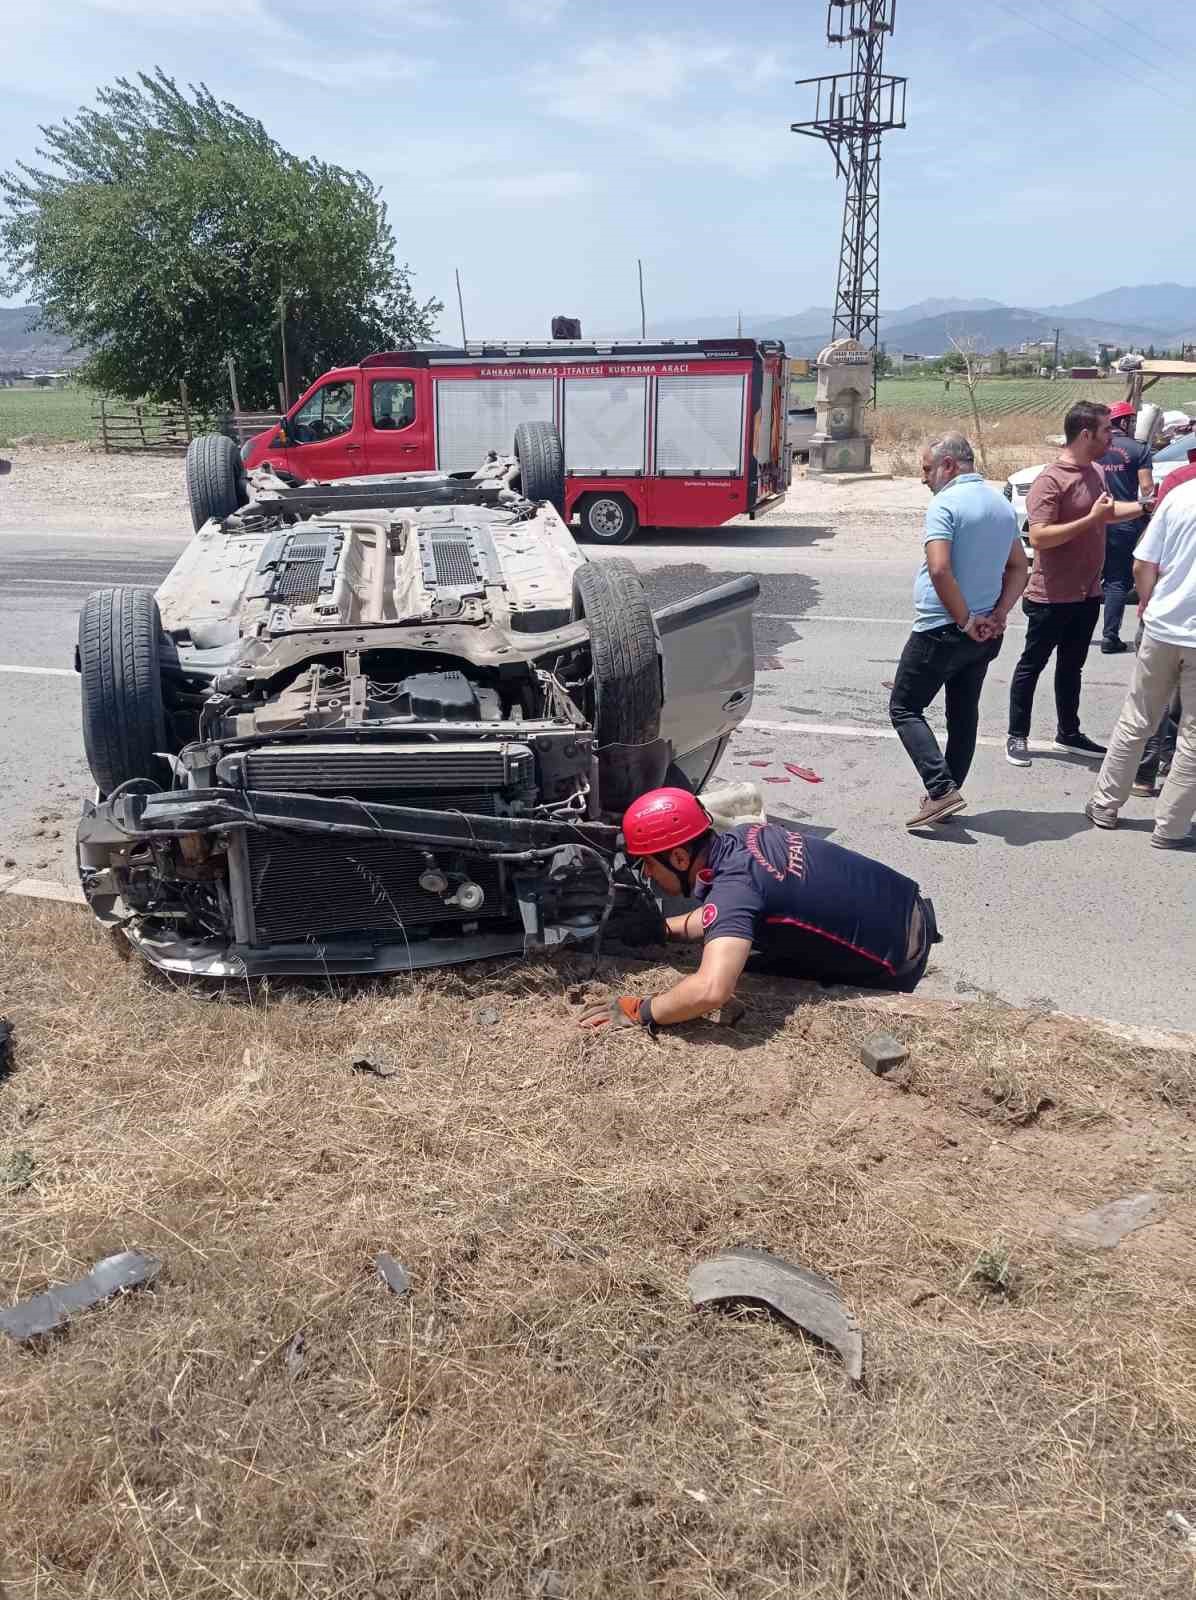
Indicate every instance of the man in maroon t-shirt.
{"type": "Point", "coordinates": [1069, 511]}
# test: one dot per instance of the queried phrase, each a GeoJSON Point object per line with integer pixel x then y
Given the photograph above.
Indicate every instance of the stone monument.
{"type": "Point", "coordinates": [839, 443]}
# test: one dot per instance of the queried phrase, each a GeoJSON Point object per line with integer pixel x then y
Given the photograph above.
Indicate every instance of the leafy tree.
{"type": "Point", "coordinates": [164, 231]}
{"type": "Point", "coordinates": [883, 364]}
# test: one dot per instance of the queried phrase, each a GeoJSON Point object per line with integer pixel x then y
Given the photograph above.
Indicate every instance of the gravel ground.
{"type": "Point", "coordinates": [74, 487]}
{"type": "Point", "coordinates": [77, 488]}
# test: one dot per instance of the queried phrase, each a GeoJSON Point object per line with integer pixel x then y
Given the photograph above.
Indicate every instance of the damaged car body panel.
{"type": "Point", "coordinates": [387, 723]}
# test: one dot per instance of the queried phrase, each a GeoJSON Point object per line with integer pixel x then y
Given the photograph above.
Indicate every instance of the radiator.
{"type": "Point", "coordinates": [306, 887]}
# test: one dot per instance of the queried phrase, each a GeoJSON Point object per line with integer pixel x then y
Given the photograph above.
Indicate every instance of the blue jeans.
{"type": "Point", "coordinates": [932, 660]}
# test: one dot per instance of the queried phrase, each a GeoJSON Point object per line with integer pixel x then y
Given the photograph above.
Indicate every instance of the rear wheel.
{"type": "Point", "coordinates": [215, 477]}
{"type": "Point", "coordinates": [124, 722]}
{"type": "Point", "coordinates": [608, 519]}
{"type": "Point", "coordinates": [541, 458]}
{"type": "Point", "coordinates": [610, 596]}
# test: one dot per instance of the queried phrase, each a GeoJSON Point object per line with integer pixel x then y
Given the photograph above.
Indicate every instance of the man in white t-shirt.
{"type": "Point", "coordinates": [1165, 578]}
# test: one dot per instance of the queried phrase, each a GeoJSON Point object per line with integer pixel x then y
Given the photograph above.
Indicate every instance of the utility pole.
{"type": "Point", "coordinates": [1055, 368]}
{"type": "Point", "coordinates": [852, 110]}
{"type": "Point", "coordinates": [460, 305]}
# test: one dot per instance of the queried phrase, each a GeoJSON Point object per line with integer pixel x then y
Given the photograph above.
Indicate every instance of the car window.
{"type": "Point", "coordinates": [327, 415]}
{"type": "Point", "coordinates": [392, 403]}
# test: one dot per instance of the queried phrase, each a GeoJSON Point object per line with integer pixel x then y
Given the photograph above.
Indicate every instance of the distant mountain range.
{"type": "Point", "coordinates": [24, 347]}
{"type": "Point", "coordinates": [1162, 314]}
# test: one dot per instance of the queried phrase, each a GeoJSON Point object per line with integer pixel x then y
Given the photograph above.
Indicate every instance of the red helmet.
{"type": "Point", "coordinates": [662, 819]}
{"type": "Point", "coordinates": [1121, 409]}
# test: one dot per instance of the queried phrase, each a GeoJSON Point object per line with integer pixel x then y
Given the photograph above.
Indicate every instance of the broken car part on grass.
{"type": "Point", "coordinates": [52, 1309]}
{"type": "Point", "coordinates": [811, 1302]}
{"type": "Point", "coordinates": [387, 723]}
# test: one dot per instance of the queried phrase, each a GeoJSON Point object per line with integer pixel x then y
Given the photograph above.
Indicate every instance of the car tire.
{"type": "Point", "coordinates": [215, 477]}
{"type": "Point", "coordinates": [124, 720]}
{"type": "Point", "coordinates": [610, 596]}
{"type": "Point", "coordinates": [541, 458]}
{"type": "Point", "coordinates": [608, 519]}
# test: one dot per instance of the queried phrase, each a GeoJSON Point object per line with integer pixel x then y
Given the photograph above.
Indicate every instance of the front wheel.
{"type": "Point", "coordinates": [608, 519]}
{"type": "Point", "coordinates": [124, 721]}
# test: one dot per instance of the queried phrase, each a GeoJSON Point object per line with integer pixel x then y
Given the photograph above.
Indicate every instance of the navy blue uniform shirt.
{"type": "Point", "coordinates": [1121, 463]}
{"type": "Point", "coordinates": [815, 909]}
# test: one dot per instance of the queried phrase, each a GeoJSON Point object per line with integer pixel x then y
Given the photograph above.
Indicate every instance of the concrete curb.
{"type": "Point", "coordinates": [43, 889]}
{"type": "Point", "coordinates": [901, 1005]}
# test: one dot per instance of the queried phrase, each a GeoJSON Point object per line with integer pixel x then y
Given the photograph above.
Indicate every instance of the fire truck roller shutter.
{"type": "Point", "coordinates": [699, 425]}
{"type": "Point", "coordinates": [474, 415]}
{"type": "Point", "coordinates": [606, 426]}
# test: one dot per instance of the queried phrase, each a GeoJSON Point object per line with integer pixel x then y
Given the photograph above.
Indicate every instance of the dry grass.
{"type": "Point", "coordinates": [1029, 1411]}
{"type": "Point", "coordinates": [1010, 442]}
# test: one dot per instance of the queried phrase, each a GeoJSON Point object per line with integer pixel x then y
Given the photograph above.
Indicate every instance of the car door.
{"type": "Point", "coordinates": [324, 433]}
{"type": "Point", "coordinates": [398, 432]}
{"type": "Point", "coordinates": [708, 660]}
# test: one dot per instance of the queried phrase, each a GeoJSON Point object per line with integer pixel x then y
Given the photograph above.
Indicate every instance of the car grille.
{"type": "Point", "coordinates": [306, 888]}
{"type": "Point", "coordinates": [346, 769]}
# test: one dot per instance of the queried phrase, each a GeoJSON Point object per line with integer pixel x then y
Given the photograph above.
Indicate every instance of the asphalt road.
{"type": "Point", "coordinates": [1037, 907]}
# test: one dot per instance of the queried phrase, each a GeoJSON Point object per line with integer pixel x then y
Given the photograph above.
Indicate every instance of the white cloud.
{"type": "Point", "coordinates": [532, 13]}
{"type": "Point", "coordinates": [601, 82]}
{"type": "Point", "coordinates": [365, 72]}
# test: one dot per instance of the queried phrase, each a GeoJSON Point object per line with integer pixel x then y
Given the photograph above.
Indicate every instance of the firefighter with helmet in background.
{"type": "Point", "coordinates": [796, 904]}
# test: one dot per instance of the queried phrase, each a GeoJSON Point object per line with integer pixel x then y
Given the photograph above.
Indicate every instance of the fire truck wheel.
{"type": "Point", "coordinates": [608, 518]}
{"type": "Point", "coordinates": [610, 595]}
{"type": "Point", "coordinates": [541, 458]}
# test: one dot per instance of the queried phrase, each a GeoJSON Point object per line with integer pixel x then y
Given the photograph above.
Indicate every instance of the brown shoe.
{"type": "Point", "coordinates": [938, 810]}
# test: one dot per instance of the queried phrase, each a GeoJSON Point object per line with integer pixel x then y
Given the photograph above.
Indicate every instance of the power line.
{"type": "Point", "coordinates": [1071, 44]}
{"type": "Point", "coordinates": [1113, 44]}
{"type": "Point", "coordinates": [1138, 28]}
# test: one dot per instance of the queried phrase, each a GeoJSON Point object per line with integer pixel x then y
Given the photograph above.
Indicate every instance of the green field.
{"type": "Point", "coordinates": [1006, 397]}
{"type": "Point", "coordinates": [50, 413]}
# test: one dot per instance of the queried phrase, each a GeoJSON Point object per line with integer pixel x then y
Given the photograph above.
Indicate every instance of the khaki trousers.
{"type": "Point", "coordinates": [1160, 670]}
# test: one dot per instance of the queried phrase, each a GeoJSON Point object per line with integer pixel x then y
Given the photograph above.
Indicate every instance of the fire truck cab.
{"type": "Point", "coordinates": [655, 434]}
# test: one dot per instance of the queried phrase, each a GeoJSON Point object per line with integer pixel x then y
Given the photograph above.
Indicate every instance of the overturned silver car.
{"type": "Point", "coordinates": [387, 723]}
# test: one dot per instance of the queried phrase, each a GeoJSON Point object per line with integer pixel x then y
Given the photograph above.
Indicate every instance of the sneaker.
{"type": "Point", "coordinates": [1113, 647]}
{"type": "Point", "coordinates": [1184, 842]}
{"type": "Point", "coordinates": [1017, 750]}
{"type": "Point", "coordinates": [938, 809]}
{"type": "Point", "coordinates": [1080, 742]}
{"type": "Point", "coordinates": [1144, 787]}
{"type": "Point", "coordinates": [1099, 818]}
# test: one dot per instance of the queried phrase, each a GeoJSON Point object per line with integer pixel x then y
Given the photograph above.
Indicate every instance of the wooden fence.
{"type": "Point", "coordinates": [151, 429]}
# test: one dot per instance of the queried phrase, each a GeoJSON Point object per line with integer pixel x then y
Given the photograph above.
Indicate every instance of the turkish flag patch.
{"type": "Point", "coordinates": [709, 916]}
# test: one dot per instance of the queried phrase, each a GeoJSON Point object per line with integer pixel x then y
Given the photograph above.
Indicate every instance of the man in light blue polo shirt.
{"type": "Point", "coordinates": [973, 572]}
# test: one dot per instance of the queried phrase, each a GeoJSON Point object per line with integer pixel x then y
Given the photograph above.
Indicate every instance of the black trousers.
{"type": "Point", "coordinates": [1065, 628]}
{"type": "Point", "coordinates": [941, 657]}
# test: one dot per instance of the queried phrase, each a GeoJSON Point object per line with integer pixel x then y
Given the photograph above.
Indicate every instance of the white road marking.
{"type": "Point", "coordinates": [840, 730]}
{"type": "Point", "coordinates": [883, 622]}
{"type": "Point", "coordinates": [42, 672]}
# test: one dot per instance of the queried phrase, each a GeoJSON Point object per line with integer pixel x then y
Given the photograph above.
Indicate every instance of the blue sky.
{"type": "Point", "coordinates": [541, 145]}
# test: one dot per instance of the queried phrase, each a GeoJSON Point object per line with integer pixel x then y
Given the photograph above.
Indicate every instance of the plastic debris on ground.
{"type": "Point", "coordinates": [53, 1309]}
{"type": "Point", "coordinates": [808, 1300]}
{"type": "Point", "coordinates": [395, 1276]}
{"type": "Point", "coordinates": [371, 1068]}
{"type": "Point", "coordinates": [806, 773]}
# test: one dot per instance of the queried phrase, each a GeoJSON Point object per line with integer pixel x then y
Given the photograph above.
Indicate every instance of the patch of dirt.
{"type": "Point", "coordinates": [1027, 1419]}
{"type": "Point", "coordinates": [77, 487]}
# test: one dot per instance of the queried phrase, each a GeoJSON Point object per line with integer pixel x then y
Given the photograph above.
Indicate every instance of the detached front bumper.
{"type": "Point", "coordinates": [233, 882]}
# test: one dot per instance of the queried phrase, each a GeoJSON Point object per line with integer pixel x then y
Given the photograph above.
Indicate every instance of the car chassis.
{"type": "Point", "coordinates": [400, 718]}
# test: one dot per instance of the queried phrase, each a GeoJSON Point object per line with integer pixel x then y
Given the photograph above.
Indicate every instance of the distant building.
{"type": "Point", "coordinates": [1084, 372]}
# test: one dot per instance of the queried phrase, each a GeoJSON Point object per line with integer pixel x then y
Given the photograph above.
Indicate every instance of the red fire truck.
{"type": "Point", "coordinates": [657, 435]}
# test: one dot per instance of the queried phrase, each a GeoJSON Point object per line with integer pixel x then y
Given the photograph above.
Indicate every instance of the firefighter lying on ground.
{"type": "Point", "coordinates": [795, 904]}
